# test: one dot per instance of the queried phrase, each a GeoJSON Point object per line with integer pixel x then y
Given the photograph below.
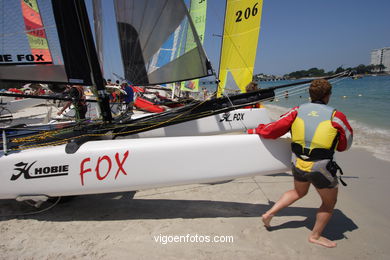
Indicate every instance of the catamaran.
{"type": "Point", "coordinates": [102, 156]}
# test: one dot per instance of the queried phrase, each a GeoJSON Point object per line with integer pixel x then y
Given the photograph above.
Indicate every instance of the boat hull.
{"type": "Point", "coordinates": [134, 164]}
{"type": "Point", "coordinates": [17, 105]}
{"type": "Point", "coordinates": [147, 105]}
{"type": "Point", "coordinates": [234, 121]}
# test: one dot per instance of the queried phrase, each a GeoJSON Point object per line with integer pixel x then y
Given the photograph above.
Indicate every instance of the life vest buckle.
{"type": "Point", "coordinates": [333, 167]}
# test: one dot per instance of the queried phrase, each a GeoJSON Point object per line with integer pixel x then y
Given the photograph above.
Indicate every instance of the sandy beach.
{"type": "Point", "coordinates": [207, 221]}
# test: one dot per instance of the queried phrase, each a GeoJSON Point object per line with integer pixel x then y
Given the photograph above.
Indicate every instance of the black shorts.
{"type": "Point", "coordinates": [320, 177]}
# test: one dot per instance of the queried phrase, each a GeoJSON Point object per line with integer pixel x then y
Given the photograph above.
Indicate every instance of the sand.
{"type": "Point", "coordinates": [135, 226]}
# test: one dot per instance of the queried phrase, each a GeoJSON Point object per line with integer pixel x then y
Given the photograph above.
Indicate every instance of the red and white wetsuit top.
{"type": "Point", "coordinates": [280, 127]}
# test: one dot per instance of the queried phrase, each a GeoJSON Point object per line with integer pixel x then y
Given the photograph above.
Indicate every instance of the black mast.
{"type": "Point", "coordinates": [97, 76]}
{"type": "Point", "coordinates": [78, 48]}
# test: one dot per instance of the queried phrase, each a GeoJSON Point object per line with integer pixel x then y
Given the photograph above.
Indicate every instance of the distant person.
{"type": "Point", "coordinates": [117, 83]}
{"type": "Point", "coordinates": [251, 87]}
{"type": "Point", "coordinates": [205, 93]}
{"type": "Point", "coordinates": [37, 89]}
{"type": "Point", "coordinates": [76, 92]}
{"type": "Point", "coordinates": [113, 97]}
{"type": "Point", "coordinates": [286, 94]}
{"type": "Point", "coordinates": [129, 97]}
{"type": "Point", "coordinates": [185, 94]}
{"type": "Point", "coordinates": [317, 130]}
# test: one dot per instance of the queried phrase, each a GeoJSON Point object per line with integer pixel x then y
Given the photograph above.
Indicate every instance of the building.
{"type": "Point", "coordinates": [381, 56]}
{"type": "Point", "coordinates": [386, 58]}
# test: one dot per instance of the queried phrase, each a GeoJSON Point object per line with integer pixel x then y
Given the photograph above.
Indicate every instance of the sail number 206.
{"type": "Point", "coordinates": [247, 13]}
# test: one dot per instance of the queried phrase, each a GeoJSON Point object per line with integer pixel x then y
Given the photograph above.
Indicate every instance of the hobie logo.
{"type": "Point", "coordinates": [236, 117]}
{"type": "Point", "coordinates": [38, 172]}
{"type": "Point", "coordinates": [313, 113]}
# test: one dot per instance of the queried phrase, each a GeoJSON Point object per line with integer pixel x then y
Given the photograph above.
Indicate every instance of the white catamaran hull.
{"type": "Point", "coordinates": [17, 105]}
{"type": "Point", "coordinates": [234, 121]}
{"type": "Point", "coordinates": [133, 164]}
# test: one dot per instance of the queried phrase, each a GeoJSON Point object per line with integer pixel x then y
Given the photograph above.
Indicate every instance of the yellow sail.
{"type": "Point", "coordinates": [239, 44]}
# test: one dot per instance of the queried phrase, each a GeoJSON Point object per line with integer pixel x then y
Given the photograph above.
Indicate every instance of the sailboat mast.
{"type": "Point", "coordinates": [98, 25]}
{"type": "Point", "coordinates": [97, 77]}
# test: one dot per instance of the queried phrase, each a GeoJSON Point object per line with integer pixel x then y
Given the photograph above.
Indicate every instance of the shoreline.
{"type": "Point", "coordinates": [373, 143]}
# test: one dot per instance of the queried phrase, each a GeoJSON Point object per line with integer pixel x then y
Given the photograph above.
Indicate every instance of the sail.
{"type": "Point", "coordinates": [239, 44]}
{"type": "Point", "coordinates": [35, 31]}
{"type": "Point", "coordinates": [198, 11]}
{"type": "Point", "coordinates": [41, 41]}
{"type": "Point", "coordinates": [144, 27]}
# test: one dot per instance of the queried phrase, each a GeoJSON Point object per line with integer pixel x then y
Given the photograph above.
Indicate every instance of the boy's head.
{"type": "Point", "coordinates": [320, 89]}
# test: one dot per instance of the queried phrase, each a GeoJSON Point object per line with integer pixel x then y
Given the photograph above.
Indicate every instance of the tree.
{"type": "Point", "coordinates": [361, 69]}
{"type": "Point", "coordinates": [370, 68]}
{"type": "Point", "coordinates": [339, 70]}
{"type": "Point", "coordinates": [381, 67]}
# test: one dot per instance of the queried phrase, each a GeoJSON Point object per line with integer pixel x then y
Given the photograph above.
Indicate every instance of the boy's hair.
{"type": "Point", "coordinates": [319, 89]}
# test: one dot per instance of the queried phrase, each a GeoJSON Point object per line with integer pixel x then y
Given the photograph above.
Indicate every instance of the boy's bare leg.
{"type": "Point", "coordinates": [324, 213]}
{"type": "Point", "coordinates": [289, 197]}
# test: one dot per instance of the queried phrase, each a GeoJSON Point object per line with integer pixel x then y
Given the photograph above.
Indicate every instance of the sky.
{"type": "Point", "coordinates": [303, 34]}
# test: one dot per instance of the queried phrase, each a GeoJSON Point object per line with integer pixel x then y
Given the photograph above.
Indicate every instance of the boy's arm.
{"type": "Point", "coordinates": [278, 128]}
{"type": "Point", "coordinates": [341, 123]}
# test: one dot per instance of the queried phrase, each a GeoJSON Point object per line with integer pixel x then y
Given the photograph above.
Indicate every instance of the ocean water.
{"type": "Point", "coordinates": [365, 102]}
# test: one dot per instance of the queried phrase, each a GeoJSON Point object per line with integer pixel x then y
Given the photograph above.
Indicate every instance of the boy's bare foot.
{"type": "Point", "coordinates": [267, 219]}
{"type": "Point", "coordinates": [322, 241]}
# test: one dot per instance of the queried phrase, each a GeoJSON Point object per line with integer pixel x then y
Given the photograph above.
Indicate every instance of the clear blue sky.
{"type": "Point", "coordinates": [302, 34]}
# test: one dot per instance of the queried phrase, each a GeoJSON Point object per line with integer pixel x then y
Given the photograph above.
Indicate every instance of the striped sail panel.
{"type": "Point", "coordinates": [239, 44]}
{"type": "Point", "coordinates": [198, 11]}
{"type": "Point", "coordinates": [35, 31]}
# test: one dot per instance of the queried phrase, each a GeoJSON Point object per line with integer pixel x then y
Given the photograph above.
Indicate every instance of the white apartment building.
{"type": "Point", "coordinates": [381, 56]}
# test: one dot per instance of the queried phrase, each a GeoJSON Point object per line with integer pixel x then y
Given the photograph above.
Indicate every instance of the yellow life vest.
{"type": "Point", "coordinates": [313, 136]}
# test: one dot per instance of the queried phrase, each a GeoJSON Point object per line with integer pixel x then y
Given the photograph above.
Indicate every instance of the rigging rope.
{"type": "Point", "coordinates": [258, 185]}
{"type": "Point", "coordinates": [232, 105]}
{"type": "Point", "coordinates": [149, 124]}
{"type": "Point", "coordinates": [302, 88]}
{"type": "Point", "coordinates": [46, 134]}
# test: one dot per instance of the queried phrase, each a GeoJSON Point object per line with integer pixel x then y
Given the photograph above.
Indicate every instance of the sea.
{"type": "Point", "coordinates": [365, 102]}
